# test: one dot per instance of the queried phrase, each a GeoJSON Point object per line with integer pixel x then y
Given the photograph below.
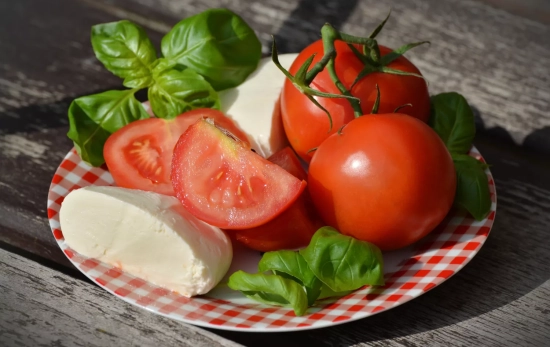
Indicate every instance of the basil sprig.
{"type": "Point", "coordinates": [175, 92]}
{"type": "Point", "coordinates": [217, 44]}
{"type": "Point", "coordinates": [342, 262]}
{"type": "Point", "coordinates": [331, 265]}
{"type": "Point", "coordinates": [271, 290]}
{"type": "Point", "coordinates": [453, 120]}
{"type": "Point", "coordinates": [210, 51]}
{"type": "Point", "coordinates": [292, 265]}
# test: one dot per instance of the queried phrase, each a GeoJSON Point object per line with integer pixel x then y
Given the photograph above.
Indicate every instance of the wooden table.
{"type": "Point", "coordinates": [495, 52]}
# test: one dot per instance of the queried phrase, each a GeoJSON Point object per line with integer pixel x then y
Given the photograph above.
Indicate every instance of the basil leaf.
{"type": "Point", "coordinates": [453, 120]}
{"type": "Point", "coordinates": [160, 65]}
{"type": "Point", "coordinates": [290, 264]}
{"type": "Point", "coordinates": [326, 292]}
{"type": "Point", "coordinates": [267, 298]}
{"type": "Point", "coordinates": [472, 190]}
{"type": "Point", "coordinates": [175, 92]}
{"type": "Point", "coordinates": [270, 289]}
{"type": "Point", "coordinates": [93, 118]}
{"type": "Point", "coordinates": [218, 44]}
{"type": "Point", "coordinates": [125, 50]}
{"type": "Point", "coordinates": [342, 262]}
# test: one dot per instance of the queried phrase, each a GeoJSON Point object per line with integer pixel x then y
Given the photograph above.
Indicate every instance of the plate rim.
{"type": "Point", "coordinates": [271, 329]}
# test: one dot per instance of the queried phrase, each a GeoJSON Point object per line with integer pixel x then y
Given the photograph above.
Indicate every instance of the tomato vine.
{"type": "Point", "coordinates": [370, 57]}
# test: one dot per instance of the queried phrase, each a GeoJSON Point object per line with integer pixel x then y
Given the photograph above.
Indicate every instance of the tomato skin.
{"type": "Point", "coordinates": [287, 159]}
{"type": "Point", "coordinates": [387, 179]}
{"type": "Point", "coordinates": [307, 126]}
{"type": "Point", "coordinates": [224, 183]}
{"type": "Point", "coordinates": [160, 136]}
{"type": "Point", "coordinates": [295, 226]}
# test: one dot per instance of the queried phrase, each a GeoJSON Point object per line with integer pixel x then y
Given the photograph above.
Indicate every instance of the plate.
{"type": "Point", "coordinates": [409, 272]}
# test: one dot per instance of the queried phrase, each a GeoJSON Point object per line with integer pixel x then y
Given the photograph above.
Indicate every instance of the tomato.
{"type": "Point", "coordinates": [139, 155]}
{"type": "Point", "coordinates": [295, 226]}
{"type": "Point", "coordinates": [287, 159]}
{"type": "Point", "coordinates": [307, 126]}
{"type": "Point", "coordinates": [386, 179]}
{"type": "Point", "coordinates": [225, 184]}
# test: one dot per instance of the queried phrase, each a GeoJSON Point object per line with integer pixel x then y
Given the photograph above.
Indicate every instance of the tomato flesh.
{"type": "Point", "coordinates": [225, 184]}
{"type": "Point", "coordinates": [144, 155]}
{"type": "Point", "coordinates": [307, 126]}
{"type": "Point", "coordinates": [386, 179]}
{"type": "Point", "coordinates": [295, 226]}
{"type": "Point", "coordinates": [139, 155]}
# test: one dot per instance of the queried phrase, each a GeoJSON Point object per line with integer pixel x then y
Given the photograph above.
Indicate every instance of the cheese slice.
{"type": "Point", "coordinates": [148, 235]}
{"type": "Point", "coordinates": [254, 106]}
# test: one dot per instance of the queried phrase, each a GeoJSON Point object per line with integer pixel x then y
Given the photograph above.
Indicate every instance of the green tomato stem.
{"type": "Point", "coordinates": [329, 35]}
{"type": "Point", "coordinates": [370, 57]}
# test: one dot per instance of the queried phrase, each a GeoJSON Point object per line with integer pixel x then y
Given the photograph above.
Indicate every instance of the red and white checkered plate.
{"type": "Point", "coordinates": [409, 272]}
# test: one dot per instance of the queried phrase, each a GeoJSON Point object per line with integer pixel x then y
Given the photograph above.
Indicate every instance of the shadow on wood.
{"type": "Point", "coordinates": [307, 19]}
{"type": "Point", "coordinates": [539, 141]}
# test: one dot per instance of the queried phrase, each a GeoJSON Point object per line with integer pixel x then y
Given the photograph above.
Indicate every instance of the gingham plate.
{"type": "Point", "coordinates": [409, 272]}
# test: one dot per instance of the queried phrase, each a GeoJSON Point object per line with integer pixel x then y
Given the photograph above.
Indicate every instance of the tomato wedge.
{"type": "Point", "coordinates": [222, 182]}
{"type": "Point", "coordinates": [295, 226]}
{"type": "Point", "coordinates": [139, 155]}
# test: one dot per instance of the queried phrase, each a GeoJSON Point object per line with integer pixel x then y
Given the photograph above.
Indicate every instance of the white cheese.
{"type": "Point", "coordinates": [147, 235]}
{"type": "Point", "coordinates": [254, 106]}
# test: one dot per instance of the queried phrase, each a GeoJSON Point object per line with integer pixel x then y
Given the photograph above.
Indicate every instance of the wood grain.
{"type": "Point", "coordinates": [538, 10]}
{"type": "Point", "coordinates": [500, 61]}
{"type": "Point", "coordinates": [47, 60]}
{"type": "Point", "coordinates": [42, 307]}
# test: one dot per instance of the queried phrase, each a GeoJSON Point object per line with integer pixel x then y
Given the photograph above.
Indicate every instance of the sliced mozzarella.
{"type": "Point", "coordinates": [254, 106]}
{"type": "Point", "coordinates": [148, 235]}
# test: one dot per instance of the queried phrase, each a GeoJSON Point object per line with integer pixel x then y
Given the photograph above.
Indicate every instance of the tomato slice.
{"type": "Point", "coordinates": [139, 155]}
{"type": "Point", "coordinates": [295, 226]}
{"type": "Point", "coordinates": [225, 184]}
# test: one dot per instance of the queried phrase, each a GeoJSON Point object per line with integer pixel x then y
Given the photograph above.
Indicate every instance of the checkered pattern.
{"type": "Point", "coordinates": [409, 272]}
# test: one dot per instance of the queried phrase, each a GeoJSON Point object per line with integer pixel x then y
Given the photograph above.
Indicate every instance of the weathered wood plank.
{"type": "Point", "coordinates": [41, 307]}
{"type": "Point", "coordinates": [538, 10]}
{"type": "Point", "coordinates": [46, 61]}
{"type": "Point", "coordinates": [498, 60]}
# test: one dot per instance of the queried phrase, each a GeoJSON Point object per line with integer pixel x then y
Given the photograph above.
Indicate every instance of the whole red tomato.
{"type": "Point", "coordinates": [306, 125]}
{"type": "Point", "coordinates": [387, 179]}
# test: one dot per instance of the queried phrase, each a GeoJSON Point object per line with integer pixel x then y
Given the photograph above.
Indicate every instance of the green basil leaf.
{"type": "Point", "coordinates": [161, 65]}
{"type": "Point", "coordinates": [125, 50]}
{"type": "Point", "coordinates": [342, 262]}
{"type": "Point", "coordinates": [270, 289]}
{"type": "Point", "coordinates": [88, 137]}
{"type": "Point", "coordinates": [472, 190]}
{"type": "Point", "coordinates": [175, 92]}
{"type": "Point", "coordinates": [93, 118]}
{"type": "Point", "coordinates": [453, 120]}
{"type": "Point", "coordinates": [218, 44]}
{"type": "Point", "coordinates": [290, 264]}
{"type": "Point", "coordinates": [267, 298]}
{"type": "Point", "coordinates": [326, 292]}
